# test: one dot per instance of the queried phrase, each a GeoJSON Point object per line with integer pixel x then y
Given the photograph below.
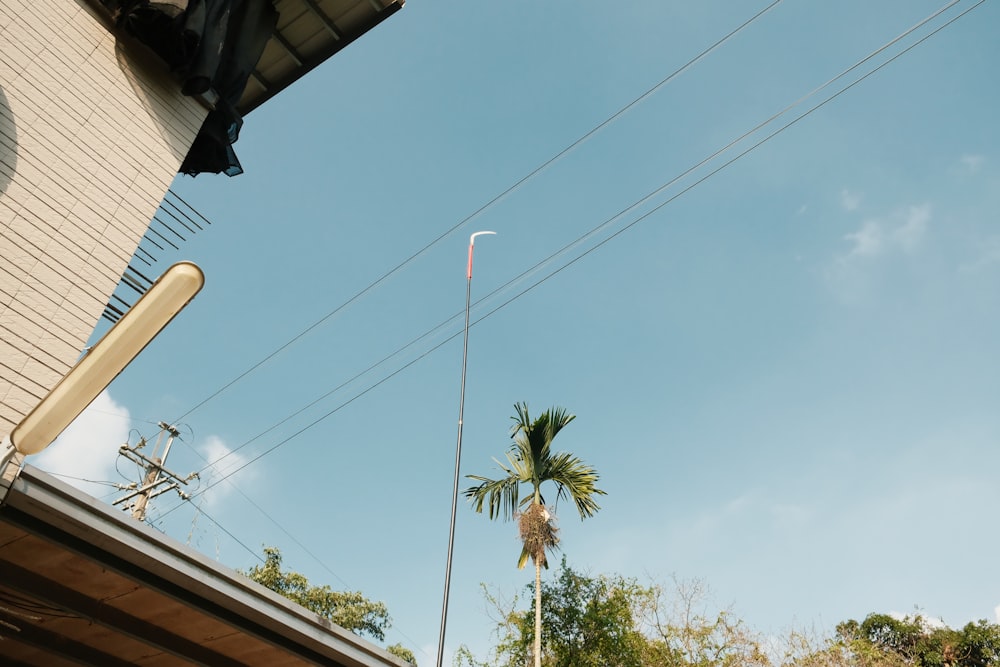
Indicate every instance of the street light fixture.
{"type": "Point", "coordinates": [105, 360]}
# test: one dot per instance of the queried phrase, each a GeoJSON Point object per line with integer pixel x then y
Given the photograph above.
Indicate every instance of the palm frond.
{"type": "Point", "coordinates": [531, 461]}
{"type": "Point", "coordinates": [575, 480]}
{"type": "Point", "coordinates": [558, 418]}
{"type": "Point", "coordinates": [523, 559]}
{"type": "Point", "coordinates": [522, 421]}
{"type": "Point", "coordinates": [533, 439]}
{"type": "Point", "coordinates": [499, 495]}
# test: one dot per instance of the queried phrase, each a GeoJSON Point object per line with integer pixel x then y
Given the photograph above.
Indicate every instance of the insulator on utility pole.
{"type": "Point", "coordinates": [157, 478]}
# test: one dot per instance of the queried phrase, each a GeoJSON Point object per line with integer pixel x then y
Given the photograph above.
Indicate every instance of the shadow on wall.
{"type": "Point", "coordinates": [211, 47]}
{"type": "Point", "coordinates": [157, 92]}
{"type": "Point", "coordinates": [150, 82]}
{"type": "Point", "coordinates": [8, 144]}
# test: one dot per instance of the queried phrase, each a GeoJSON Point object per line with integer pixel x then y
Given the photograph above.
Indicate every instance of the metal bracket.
{"type": "Point", "coordinates": [10, 466]}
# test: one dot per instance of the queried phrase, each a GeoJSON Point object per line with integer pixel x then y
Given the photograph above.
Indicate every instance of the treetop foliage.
{"type": "Point", "coordinates": [530, 461]}
{"type": "Point", "coordinates": [917, 641]}
{"type": "Point", "coordinates": [616, 621]}
{"type": "Point", "coordinates": [350, 610]}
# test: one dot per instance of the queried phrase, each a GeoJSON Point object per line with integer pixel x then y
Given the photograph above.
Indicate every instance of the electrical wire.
{"type": "Point", "coordinates": [218, 525]}
{"type": "Point", "coordinates": [598, 228]}
{"type": "Point", "coordinates": [560, 252]}
{"type": "Point", "coordinates": [200, 510]}
{"type": "Point", "coordinates": [690, 63]}
{"type": "Point", "coordinates": [212, 465]}
{"type": "Point", "coordinates": [496, 199]}
{"type": "Point", "coordinates": [83, 479]}
{"type": "Point", "coordinates": [197, 493]}
{"type": "Point", "coordinates": [606, 223]}
{"type": "Point", "coordinates": [510, 189]}
{"type": "Point", "coordinates": [128, 418]}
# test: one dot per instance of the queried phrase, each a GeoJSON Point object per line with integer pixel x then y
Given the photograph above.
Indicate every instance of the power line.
{"type": "Point", "coordinates": [537, 170]}
{"type": "Point", "coordinates": [223, 529]}
{"type": "Point", "coordinates": [571, 262]}
{"type": "Point", "coordinates": [200, 510]}
{"type": "Point", "coordinates": [84, 479]}
{"type": "Point", "coordinates": [686, 66]}
{"type": "Point", "coordinates": [690, 63]}
{"type": "Point", "coordinates": [604, 225]}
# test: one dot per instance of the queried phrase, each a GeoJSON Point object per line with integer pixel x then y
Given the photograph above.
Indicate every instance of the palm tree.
{"type": "Point", "coordinates": [531, 461]}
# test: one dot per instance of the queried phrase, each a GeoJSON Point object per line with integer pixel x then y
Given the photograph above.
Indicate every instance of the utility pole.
{"type": "Point", "coordinates": [157, 478]}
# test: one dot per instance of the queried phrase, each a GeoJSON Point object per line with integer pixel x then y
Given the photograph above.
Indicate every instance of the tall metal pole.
{"type": "Point", "coordinates": [458, 453]}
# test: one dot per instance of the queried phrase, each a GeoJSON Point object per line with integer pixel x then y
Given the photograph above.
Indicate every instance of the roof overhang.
{"type": "Point", "coordinates": [83, 584]}
{"type": "Point", "coordinates": [309, 32]}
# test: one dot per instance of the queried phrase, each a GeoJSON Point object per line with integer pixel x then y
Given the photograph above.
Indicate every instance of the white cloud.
{"type": "Point", "coordinates": [228, 463]}
{"type": "Point", "coordinates": [850, 200]}
{"type": "Point", "coordinates": [901, 232]}
{"type": "Point", "coordinates": [788, 515]}
{"type": "Point", "coordinates": [989, 256]}
{"type": "Point", "coordinates": [910, 233]}
{"type": "Point", "coordinates": [710, 519]}
{"type": "Point", "coordinates": [973, 163]}
{"type": "Point", "coordinates": [737, 505]}
{"type": "Point", "coordinates": [868, 241]}
{"type": "Point", "coordinates": [847, 281]}
{"type": "Point", "coordinates": [929, 622]}
{"type": "Point", "coordinates": [88, 448]}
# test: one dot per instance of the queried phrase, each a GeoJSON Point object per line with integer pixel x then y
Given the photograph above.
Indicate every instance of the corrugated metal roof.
{"type": "Point", "coordinates": [309, 32]}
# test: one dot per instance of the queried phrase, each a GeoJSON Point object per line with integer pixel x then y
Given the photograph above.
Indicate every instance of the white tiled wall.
{"type": "Point", "coordinates": [91, 135]}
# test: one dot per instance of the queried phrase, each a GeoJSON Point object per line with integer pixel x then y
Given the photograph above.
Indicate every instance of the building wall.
{"type": "Point", "coordinates": [92, 133]}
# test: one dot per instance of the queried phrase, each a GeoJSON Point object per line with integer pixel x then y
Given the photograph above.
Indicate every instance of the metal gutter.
{"type": "Point", "coordinates": [40, 504]}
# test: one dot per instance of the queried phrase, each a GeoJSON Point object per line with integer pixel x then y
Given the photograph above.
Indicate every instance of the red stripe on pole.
{"type": "Point", "coordinates": [468, 273]}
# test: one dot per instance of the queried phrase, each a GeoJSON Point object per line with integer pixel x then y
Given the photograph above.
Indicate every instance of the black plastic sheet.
{"type": "Point", "coordinates": [212, 46]}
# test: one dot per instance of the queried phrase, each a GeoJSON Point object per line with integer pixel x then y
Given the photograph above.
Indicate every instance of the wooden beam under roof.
{"type": "Point", "coordinates": [308, 33]}
{"type": "Point", "coordinates": [84, 584]}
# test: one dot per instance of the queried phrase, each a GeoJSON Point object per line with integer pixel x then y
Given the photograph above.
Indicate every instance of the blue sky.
{"type": "Point", "coordinates": [785, 374]}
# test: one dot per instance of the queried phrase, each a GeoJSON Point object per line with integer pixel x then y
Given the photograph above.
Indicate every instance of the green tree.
{"type": "Point", "coordinates": [684, 632]}
{"type": "Point", "coordinates": [350, 610]}
{"type": "Point", "coordinates": [401, 651]}
{"type": "Point", "coordinates": [615, 621]}
{"type": "Point", "coordinates": [590, 621]}
{"type": "Point", "coordinates": [883, 640]}
{"type": "Point", "coordinates": [531, 461]}
{"type": "Point", "coordinates": [979, 645]}
{"type": "Point", "coordinates": [913, 640]}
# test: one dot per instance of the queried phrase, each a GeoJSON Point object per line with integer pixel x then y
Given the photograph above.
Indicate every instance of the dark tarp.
{"type": "Point", "coordinates": [212, 45]}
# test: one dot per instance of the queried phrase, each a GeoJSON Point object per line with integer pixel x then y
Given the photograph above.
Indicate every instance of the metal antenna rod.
{"type": "Point", "coordinates": [458, 453]}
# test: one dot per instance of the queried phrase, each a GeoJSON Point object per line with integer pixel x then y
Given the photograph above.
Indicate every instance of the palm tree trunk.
{"type": "Point", "coordinates": [538, 588]}
{"type": "Point", "coordinates": [538, 612]}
